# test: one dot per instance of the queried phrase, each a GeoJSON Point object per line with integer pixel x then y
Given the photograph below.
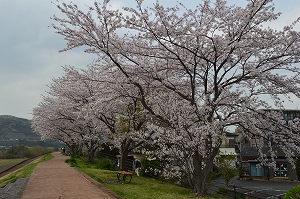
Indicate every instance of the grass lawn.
{"type": "Point", "coordinates": [138, 188]}
{"type": "Point", "coordinates": [23, 172]}
{"type": "Point", "coordinates": [8, 162]}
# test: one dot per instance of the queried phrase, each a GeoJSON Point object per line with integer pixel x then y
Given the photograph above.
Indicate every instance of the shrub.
{"type": "Point", "coordinates": [107, 164]}
{"type": "Point", "coordinates": [71, 161]}
{"type": "Point", "coordinates": [293, 193]}
{"type": "Point", "coordinates": [150, 168]}
{"type": "Point", "coordinates": [213, 175]}
{"type": "Point", "coordinates": [36, 151]}
{"type": "Point", "coordinates": [22, 151]}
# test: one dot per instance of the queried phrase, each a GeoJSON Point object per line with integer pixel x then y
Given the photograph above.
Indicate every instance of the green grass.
{"type": "Point", "coordinates": [138, 188]}
{"type": "Point", "coordinates": [8, 162]}
{"type": "Point", "coordinates": [23, 172]}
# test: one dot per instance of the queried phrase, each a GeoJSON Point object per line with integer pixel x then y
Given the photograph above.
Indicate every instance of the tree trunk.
{"type": "Point", "coordinates": [92, 147]}
{"type": "Point", "coordinates": [197, 173]}
{"type": "Point", "coordinates": [91, 155]}
{"type": "Point", "coordinates": [126, 147]}
{"type": "Point", "coordinates": [123, 161]}
{"type": "Point", "coordinates": [201, 174]}
{"type": "Point", "coordinates": [74, 149]}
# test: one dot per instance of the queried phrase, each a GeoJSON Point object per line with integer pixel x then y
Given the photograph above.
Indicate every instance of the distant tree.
{"type": "Point", "coordinates": [196, 72]}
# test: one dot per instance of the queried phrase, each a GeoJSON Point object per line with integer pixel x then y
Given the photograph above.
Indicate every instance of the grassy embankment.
{"type": "Point", "coordinates": [23, 172]}
{"type": "Point", "coordinates": [138, 188]}
{"type": "Point", "coordinates": [10, 162]}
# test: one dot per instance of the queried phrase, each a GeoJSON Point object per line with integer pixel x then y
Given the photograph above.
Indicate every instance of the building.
{"type": "Point", "coordinates": [251, 167]}
{"type": "Point", "coordinates": [228, 145]}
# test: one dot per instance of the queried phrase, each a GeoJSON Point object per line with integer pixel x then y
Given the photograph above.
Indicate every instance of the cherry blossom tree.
{"type": "Point", "coordinates": [61, 114]}
{"type": "Point", "coordinates": [196, 71]}
{"type": "Point", "coordinates": [125, 121]}
{"type": "Point", "coordinates": [97, 111]}
{"type": "Point", "coordinates": [52, 121]}
{"type": "Point", "coordinates": [123, 116]}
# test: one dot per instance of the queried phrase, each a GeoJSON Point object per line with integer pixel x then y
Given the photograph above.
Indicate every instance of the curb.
{"type": "Point", "coordinates": [99, 185]}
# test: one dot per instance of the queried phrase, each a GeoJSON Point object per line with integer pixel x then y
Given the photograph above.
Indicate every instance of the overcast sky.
{"type": "Point", "coordinates": [29, 56]}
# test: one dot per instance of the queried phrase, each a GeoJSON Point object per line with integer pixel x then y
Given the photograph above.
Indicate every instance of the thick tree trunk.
{"type": "Point", "coordinates": [197, 173]}
{"type": "Point", "coordinates": [123, 160]}
{"type": "Point", "coordinates": [201, 174]}
{"type": "Point", "coordinates": [91, 155]}
{"type": "Point", "coordinates": [92, 147]}
{"type": "Point", "coordinates": [126, 147]}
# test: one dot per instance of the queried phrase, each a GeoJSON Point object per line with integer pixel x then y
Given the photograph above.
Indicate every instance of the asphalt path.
{"type": "Point", "coordinates": [257, 188]}
{"type": "Point", "coordinates": [273, 188]}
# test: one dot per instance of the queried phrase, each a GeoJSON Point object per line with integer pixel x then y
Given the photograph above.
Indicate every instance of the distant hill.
{"type": "Point", "coordinates": [15, 131]}
{"type": "Point", "coordinates": [16, 128]}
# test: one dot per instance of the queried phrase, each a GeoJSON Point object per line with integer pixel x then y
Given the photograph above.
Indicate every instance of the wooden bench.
{"type": "Point", "coordinates": [125, 175]}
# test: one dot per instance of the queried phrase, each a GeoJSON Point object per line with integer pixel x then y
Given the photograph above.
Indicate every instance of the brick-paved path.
{"type": "Point", "coordinates": [55, 179]}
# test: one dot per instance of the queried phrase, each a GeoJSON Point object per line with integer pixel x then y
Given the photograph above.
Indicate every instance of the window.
{"type": "Point", "coordinates": [281, 170]}
{"type": "Point", "coordinates": [288, 116]}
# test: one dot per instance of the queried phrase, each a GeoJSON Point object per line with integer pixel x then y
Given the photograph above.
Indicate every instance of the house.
{"type": "Point", "coordinates": [251, 167]}
{"type": "Point", "coordinates": [228, 145]}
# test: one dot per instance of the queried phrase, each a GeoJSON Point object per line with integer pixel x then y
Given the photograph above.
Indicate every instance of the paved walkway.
{"type": "Point", "coordinates": [55, 179]}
